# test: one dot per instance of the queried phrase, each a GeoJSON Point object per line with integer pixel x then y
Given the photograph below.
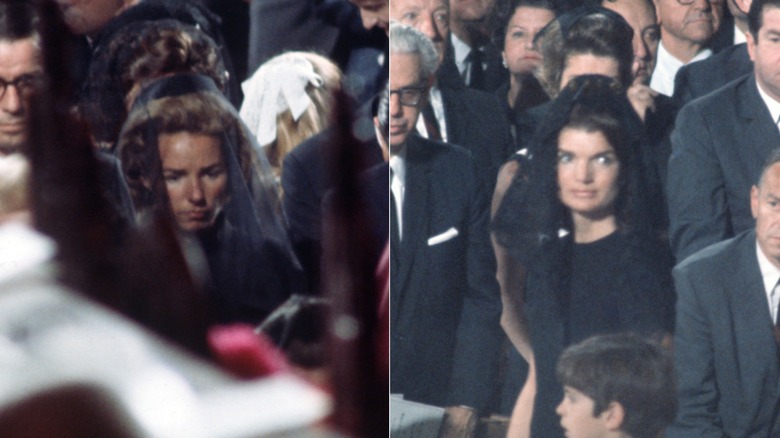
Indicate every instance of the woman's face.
{"type": "Point", "coordinates": [519, 52]}
{"type": "Point", "coordinates": [588, 172]}
{"type": "Point", "coordinates": [588, 64]}
{"type": "Point", "coordinates": [195, 178]}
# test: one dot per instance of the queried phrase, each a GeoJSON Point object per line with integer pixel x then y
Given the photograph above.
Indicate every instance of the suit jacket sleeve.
{"type": "Point", "coordinates": [479, 336]}
{"type": "Point", "coordinates": [698, 213]}
{"type": "Point", "coordinates": [695, 365]}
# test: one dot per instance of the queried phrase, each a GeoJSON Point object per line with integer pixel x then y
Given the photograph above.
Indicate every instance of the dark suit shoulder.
{"type": "Point", "coordinates": [723, 253]}
{"type": "Point", "coordinates": [726, 95]}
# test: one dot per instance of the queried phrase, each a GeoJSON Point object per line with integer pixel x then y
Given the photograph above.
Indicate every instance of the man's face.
{"type": "Point", "coordinates": [641, 17]}
{"type": "Point", "coordinates": [404, 75]}
{"type": "Point", "coordinates": [765, 52]}
{"type": "Point", "coordinates": [765, 206]}
{"type": "Point", "coordinates": [374, 13]}
{"type": "Point", "coordinates": [694, 23]}
{"type": "Point", "coordinates": [431, 17]}
{"type": "Point", "coordinates": [88, 17]}
{"type": "Point", "coordinates": [470, 10]}
{"type": "Point", "coordinates": [20, 64]}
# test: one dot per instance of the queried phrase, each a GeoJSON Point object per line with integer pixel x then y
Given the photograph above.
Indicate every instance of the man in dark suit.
{"type": "Point", "coordinates": [725, 344]}
{"type": "Point", "coordinates": [455, 113]}
{"type": "Point", "coordinates": [720, 143]}
{"type": "Point", "coordinates": [472, 52]}
{"type": "Point", "coordinates": [701, 77]}
{"type": "Point", "coordinates": [444, 299]}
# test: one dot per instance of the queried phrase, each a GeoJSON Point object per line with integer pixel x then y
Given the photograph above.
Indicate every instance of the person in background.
{"type": "Point", "coordinates": [720, 142]}
{"type": "Point", "coordinates": [520, 23]}
{"type": "Point", "coordinates": [289, 99]}
{"type": "Point", "coordinates": [687, 29]}
{"type": "Point", "coordinates": [702, 77]}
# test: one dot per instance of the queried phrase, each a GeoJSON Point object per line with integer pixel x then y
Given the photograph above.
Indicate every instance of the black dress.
{"type": "Point", "coordinates": [617, 284]}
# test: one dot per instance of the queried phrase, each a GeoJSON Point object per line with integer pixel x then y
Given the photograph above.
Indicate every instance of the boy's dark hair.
{"type": "Point", "coordinates": [756, 15]}
{"type": "Point", "coordinates": [627, 369]}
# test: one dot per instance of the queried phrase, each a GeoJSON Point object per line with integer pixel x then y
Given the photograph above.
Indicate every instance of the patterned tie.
{"type": "Point", "coordinates": [476, 73]}
{"type": "Point", "coordinates": [431, 124]}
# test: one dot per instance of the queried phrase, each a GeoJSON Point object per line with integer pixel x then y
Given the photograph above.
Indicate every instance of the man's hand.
{"type": "Point", "coordinates": [642, 98]}
{"type": "Point", "coordinates": [459, 422]}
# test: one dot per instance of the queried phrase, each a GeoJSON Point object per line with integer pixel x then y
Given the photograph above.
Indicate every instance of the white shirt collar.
{"type": "Point", "coordinates": [461, 51]}
{"type": "Point", "coordinates": [771, 104]}
{"type": "Point", "coordinates": [397, 163]}
{"type": "Point", "coordinates": [666, 67]}
{"type": "Point", "coordinates": [770, 275]}
{"type": "Point", "coordinates": [739, 36]}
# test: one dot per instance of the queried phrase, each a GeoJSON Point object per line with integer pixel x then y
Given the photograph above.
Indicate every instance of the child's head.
{"type": "Point", "coordinates": [616, 385]}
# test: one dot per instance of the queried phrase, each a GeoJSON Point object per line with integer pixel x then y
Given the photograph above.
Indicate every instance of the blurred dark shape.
{"type": "Point", "coordinates": [69, 411]}
{"type": "Point", "coordinates": [360, 391]}
{"type": "Point", "coordinates": [298, 327]}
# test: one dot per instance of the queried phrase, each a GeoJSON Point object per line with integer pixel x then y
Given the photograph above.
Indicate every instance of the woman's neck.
{"type": "Point", "coordinates": [515, 85]}
{"type": "Point", "coordinates": [588, 229]}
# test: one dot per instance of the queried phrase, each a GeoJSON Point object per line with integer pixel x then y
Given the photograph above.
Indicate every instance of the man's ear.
{"type": "Point", "coordinates": [613, 416]}
{"type": "Point", "coordinates": [754, 192]}
{"type": "Point", "coordinates": [657, 13]}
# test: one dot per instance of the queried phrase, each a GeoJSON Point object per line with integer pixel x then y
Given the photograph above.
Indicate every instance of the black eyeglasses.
{"type": "Point", "coordinates": [24, 84]}
{"type": "Point", "coordinates": [688, 2]}
{"type": "Point", "coordinates": [409, 96]}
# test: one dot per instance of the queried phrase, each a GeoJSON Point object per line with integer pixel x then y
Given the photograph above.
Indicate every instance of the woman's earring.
{"type": "Point", "coordinates": [503, 61]}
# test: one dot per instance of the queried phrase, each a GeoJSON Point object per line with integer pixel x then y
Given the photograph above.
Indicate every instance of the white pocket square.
{"type": "Point", "coordinates": [443, 237]}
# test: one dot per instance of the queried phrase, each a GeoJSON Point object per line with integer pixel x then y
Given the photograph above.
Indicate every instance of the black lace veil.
{"type": "Point", "coordinates": [251, 262]}
{"type": "Point", "coordinates": [531, 221]}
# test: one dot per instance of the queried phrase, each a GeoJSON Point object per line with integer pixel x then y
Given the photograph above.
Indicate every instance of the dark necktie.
{"type": "Point", "coordinates": [431, 124]}
{"type": "Point", "coordinates": [476, 73]}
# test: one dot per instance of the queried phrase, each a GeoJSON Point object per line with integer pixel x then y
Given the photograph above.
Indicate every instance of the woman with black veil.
{"type": "Point", "coordinates": [188, 157]}
{"type": "Point", "coordinates": [576, 220]}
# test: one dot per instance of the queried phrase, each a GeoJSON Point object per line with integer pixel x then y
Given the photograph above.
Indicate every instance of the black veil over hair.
{"type": "Point", "coordinates": [251, 263]}
{"type": "Point", "coordinates": [531, 217]}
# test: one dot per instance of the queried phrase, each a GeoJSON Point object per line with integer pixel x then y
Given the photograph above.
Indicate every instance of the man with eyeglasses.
{"type": "Point", "coordinates": [452, 112]}
{"type": "Point", "coordinates": [701, 77]}
{"type": "Point", "coordinates": [20, 72]}
{"type": "Point", "coordinates": [444, 299]}
{"type": "Point", "coordinates": [687, 28]}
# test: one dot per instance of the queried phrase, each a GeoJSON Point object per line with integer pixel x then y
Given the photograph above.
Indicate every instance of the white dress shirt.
{"type": "Point", "coordinates": [666, 67]}
{"type": "Point", "coordinates": [398, 186]}
{"type": "Point", "coordinates": [772, 105]}
{"type": "Point", "coordinates": [770, 275]}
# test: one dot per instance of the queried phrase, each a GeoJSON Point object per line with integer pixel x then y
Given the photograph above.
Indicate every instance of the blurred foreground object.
{"type": "Point", "coordinates": [64, 359]}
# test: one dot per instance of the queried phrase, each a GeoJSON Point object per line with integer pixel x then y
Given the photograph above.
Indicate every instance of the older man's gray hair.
{"type": "Point", "coordinates": [406, 39]}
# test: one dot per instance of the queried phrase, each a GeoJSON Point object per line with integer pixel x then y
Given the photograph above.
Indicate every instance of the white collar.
{"type": "Point", "coordinates": [461, 51]}
{"type": "Point", "coordinates": [397, 163]}
{"type": "Point", "coordinates": [666, 67]}
{"type": "Point", "coordinates": [769, 274]}
{"type": "Point", "coordinates": [739, 36]}
{"type": "Point", "coordinates": [771, 104]}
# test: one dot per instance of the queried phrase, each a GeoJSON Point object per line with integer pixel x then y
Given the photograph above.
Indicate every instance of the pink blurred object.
{"type": "Point", "coordinates": [245, 353]}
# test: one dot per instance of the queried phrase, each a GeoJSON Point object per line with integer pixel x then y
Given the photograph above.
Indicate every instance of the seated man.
{"type": "Point", "coordinates": [616, 386]}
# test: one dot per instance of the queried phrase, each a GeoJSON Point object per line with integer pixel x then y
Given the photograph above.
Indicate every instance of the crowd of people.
{"type": "Point", "coordinates": [184, 185]}
{"type": "Point", "coordinates": [562, 211]}
{"type": "Point", "coordinates": [622, 165]}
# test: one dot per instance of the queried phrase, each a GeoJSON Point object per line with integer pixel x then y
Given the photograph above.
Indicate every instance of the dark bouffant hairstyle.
{"type": "Point", "coordinates": [587, 30]}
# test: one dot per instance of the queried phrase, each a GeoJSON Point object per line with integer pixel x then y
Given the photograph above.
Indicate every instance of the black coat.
{"type": "Point", "coordinates": [444, 297]}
